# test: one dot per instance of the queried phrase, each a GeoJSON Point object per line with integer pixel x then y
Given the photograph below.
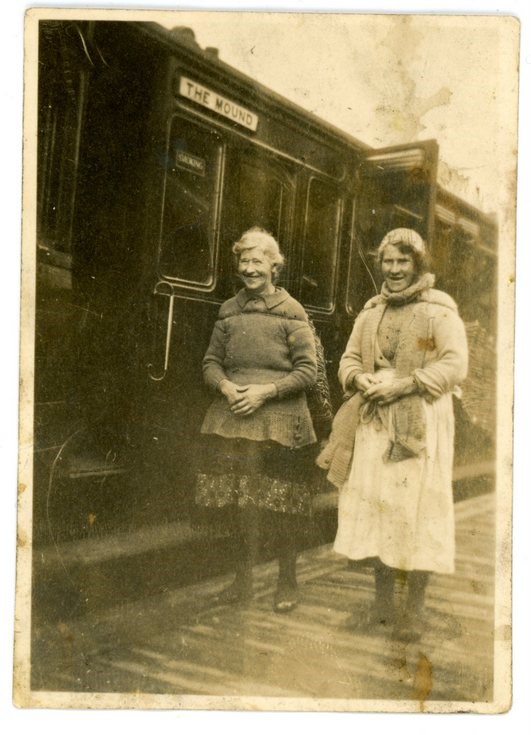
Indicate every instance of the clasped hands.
{"type": "Point", "coordinates": [243, 400]}
{"type": "Point", "coordinates": [383, 391]}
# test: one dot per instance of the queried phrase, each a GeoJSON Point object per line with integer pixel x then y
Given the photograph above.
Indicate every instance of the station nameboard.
{"type": "Point", "coordinates": [216, 102]}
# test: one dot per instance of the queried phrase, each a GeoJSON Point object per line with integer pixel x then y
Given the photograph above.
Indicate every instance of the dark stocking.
{"type": "Point", "coordinates": [286, 594]}
{"type": "Point", "coordinates": [384, 583]}
{"type": "Point", "coordinates": [247, 550]}
{"type": "Point", "coordinates": [416, 591]}
{"type": "Point", "coordinates": [411, 626]}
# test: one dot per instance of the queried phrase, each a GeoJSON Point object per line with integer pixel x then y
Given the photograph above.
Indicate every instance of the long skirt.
{"type": "Point", "coordinates": [238, 474]}
{"type": "Point", "coordinates": [401, 512]}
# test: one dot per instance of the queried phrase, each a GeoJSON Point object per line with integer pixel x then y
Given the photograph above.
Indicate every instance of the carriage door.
{"type": "Point", "coordinates": [396, 188]}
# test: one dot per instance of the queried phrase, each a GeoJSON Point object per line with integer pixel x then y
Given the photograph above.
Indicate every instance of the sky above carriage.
{"type": "Point", "coordinates": [387, 80]}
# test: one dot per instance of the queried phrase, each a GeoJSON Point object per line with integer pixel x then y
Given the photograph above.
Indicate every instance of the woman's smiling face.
{"type": "Point", "coordinates": [256, 271]}
{"type": "Point", "coordinates": [398, 268]}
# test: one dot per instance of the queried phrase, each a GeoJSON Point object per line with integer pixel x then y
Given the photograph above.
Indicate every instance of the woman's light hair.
{"type": "Point", "coordinates": [407, 241]}
{"type": "Point", "coordinates": [257, 237]}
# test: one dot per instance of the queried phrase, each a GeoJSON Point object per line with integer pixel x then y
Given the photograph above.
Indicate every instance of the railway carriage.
{"type": "Point", "coordinates": [153, 157]}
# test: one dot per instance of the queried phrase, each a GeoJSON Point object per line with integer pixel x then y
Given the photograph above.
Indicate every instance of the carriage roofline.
{"type": "Point", "coordinates": [175, 41]}
{"type": "Point", "coordinates": [487, 217]}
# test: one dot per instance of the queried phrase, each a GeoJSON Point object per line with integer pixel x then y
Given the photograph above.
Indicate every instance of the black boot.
{"type": "Point", "coordinates": [240, 590]}
{"type": "Point", "coordinates": [411, 625]}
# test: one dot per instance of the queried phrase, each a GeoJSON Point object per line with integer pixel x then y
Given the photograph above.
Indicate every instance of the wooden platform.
{"type": "Point", "coordinates": [180, 643]}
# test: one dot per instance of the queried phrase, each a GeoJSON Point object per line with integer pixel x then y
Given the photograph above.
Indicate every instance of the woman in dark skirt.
{"type": "Point", "coordinates": [261, 360]}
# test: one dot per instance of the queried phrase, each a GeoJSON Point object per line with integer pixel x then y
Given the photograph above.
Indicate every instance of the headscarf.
{"type": "Point", "coordinates": [404, 236]}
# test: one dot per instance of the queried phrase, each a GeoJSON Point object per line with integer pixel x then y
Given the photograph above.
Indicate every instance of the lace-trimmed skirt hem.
{"type": "Point", "coordinates": [235, 473]}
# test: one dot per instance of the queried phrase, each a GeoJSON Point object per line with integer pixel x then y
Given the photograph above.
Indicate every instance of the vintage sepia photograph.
{"type": "Point", "coordinates": [267, 318]}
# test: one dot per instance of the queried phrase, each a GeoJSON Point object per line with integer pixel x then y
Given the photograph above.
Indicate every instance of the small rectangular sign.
{"type": "Point", "coordinates": [216, 102]}
{"type": "Point", "coordinates": [192, 163]}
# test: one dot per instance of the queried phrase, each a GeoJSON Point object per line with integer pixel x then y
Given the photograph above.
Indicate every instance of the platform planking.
{"type": "Point", "coordinates": [181, 643]}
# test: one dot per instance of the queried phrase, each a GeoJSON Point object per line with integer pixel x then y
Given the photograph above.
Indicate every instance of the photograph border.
{"type": "Point", "coordinates": [24, 697]}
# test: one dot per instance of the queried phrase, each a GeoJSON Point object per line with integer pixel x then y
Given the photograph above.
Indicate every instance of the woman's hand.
{"type": "Point", "coordinates": [251, 397]}
{"type": "Point", "coordinates": [363, 381]}
{"type": "Point", "coordinates": [230, 390]}
{"type": "Point", "coordinates": [388, 391]}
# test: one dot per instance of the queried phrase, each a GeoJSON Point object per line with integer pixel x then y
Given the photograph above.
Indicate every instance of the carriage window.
{"type": "Point", "coordinates": [191, 192]}
{"type": "Point", "coordinates": [260, 198]}
{"type": "Point", "coordinates": [320, 245]}
{"type": "Point", "coordinates": [258, 192]}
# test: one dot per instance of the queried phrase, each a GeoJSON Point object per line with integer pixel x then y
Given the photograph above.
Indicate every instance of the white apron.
{"type": "Point", "coordinates": [401, 512]}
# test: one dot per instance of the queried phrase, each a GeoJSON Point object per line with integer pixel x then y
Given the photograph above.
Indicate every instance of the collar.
{"type": "Point", "coordinates": [270, 300]}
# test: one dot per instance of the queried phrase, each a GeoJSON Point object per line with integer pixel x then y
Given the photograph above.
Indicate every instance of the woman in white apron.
{"type": "Point", "coordinates": [406, 355]}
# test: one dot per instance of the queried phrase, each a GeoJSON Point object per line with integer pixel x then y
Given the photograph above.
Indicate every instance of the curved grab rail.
{"type": "Point", "coordinates": [159, 290]}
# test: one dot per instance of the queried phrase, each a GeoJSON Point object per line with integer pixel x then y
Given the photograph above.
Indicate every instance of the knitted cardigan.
{"type": "Point", "coordinates": [432, 350]}
{"type": "Point", "coordinates": [263, 339]}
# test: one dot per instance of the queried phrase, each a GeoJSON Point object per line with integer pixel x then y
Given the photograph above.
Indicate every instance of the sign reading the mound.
{"type": "Point", "coordinates": [214, 101]}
